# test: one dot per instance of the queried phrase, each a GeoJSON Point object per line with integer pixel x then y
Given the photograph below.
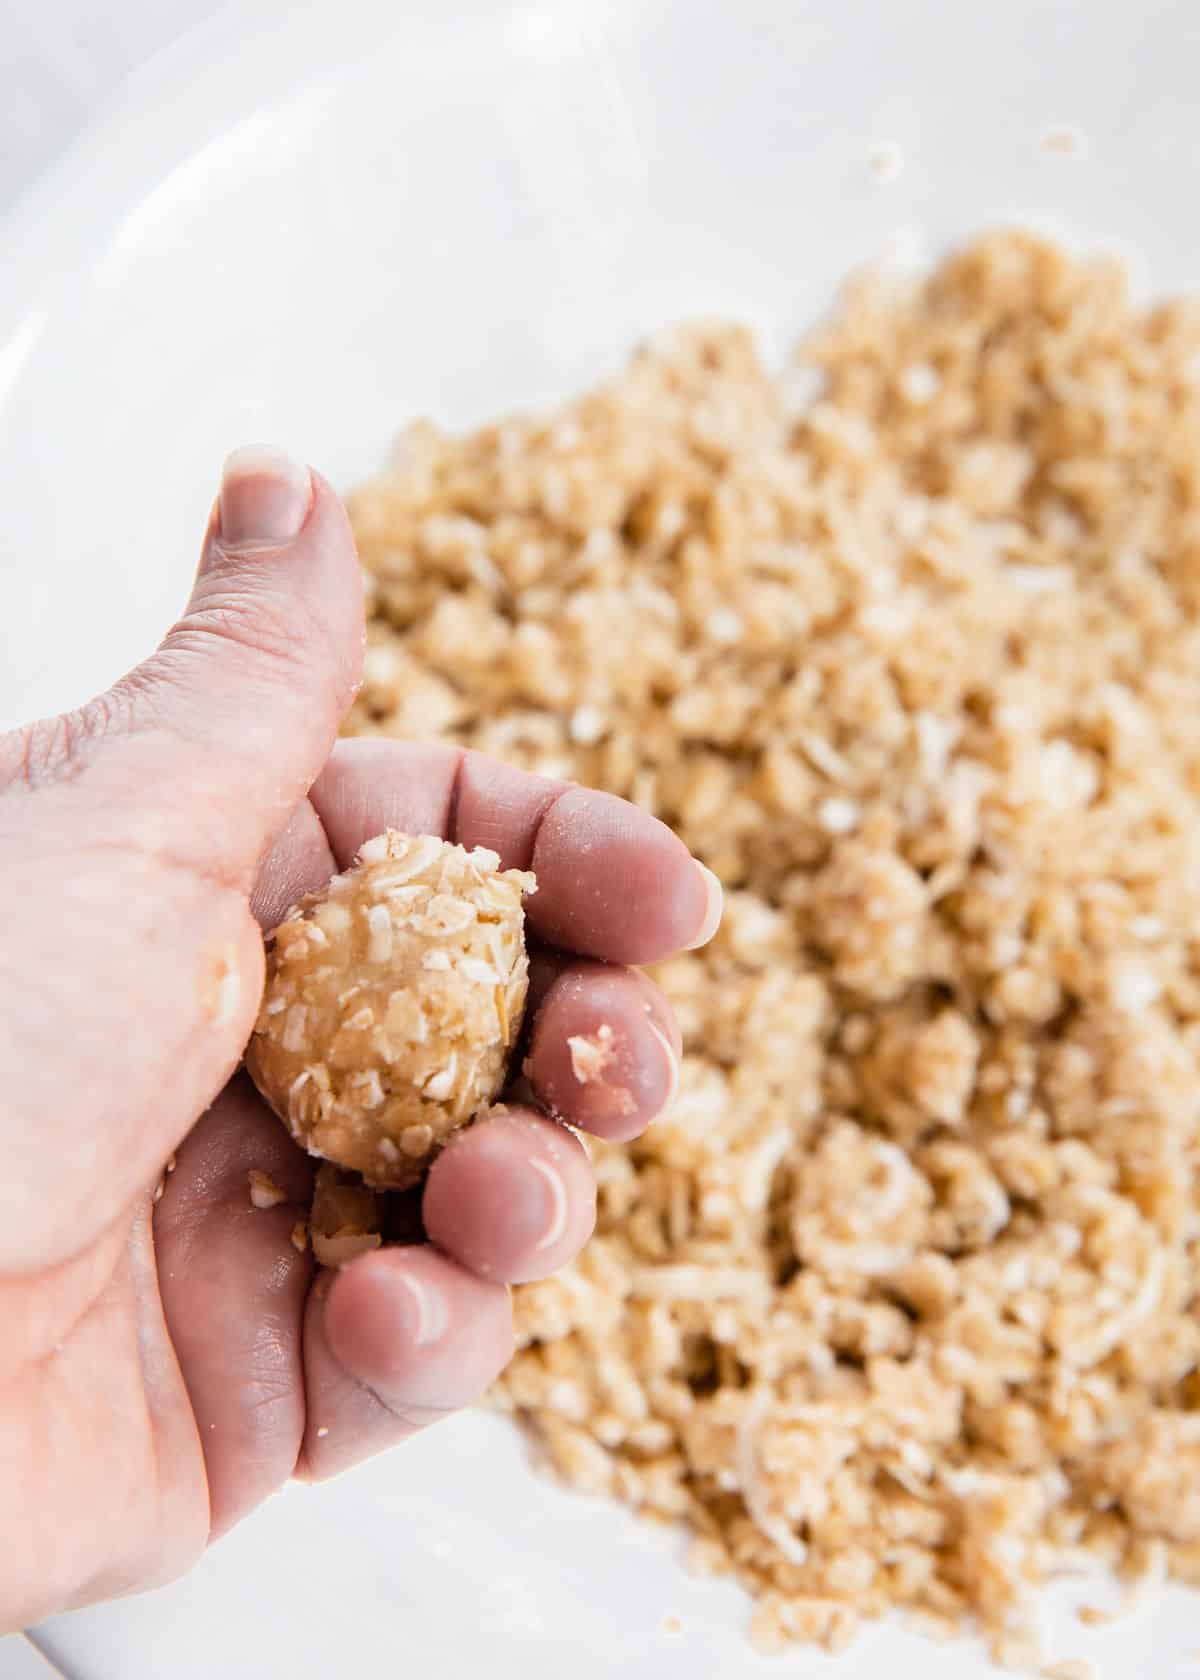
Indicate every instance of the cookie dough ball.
{"type": "Point", "coordinates": [392, 1000]}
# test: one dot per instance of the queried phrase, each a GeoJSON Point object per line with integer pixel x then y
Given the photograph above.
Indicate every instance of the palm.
{"type": "Point", "coordinates": [100, 1448]}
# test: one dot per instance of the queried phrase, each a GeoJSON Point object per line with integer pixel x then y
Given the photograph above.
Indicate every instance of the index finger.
{"type": "Point", "coordinates": [613, 881]}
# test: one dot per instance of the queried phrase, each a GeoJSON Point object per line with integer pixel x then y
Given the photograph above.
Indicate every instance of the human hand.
{"type": "Point", "coordinates": [168, 1363]}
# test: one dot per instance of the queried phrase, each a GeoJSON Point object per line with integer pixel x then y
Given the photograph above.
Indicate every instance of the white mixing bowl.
{"type": "Point", "coordinates": [314, 221]}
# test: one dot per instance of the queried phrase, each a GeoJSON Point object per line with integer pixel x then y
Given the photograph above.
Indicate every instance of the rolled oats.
{"type": "Point", "coordinates": [899, 1304]}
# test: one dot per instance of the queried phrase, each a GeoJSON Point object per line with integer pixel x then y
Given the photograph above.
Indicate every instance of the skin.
{"type": "Point", "coordinates": [167, 1363]}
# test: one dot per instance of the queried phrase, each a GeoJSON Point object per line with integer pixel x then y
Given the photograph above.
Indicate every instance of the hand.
{"type": "Point", "coordinates": [168, 1363]}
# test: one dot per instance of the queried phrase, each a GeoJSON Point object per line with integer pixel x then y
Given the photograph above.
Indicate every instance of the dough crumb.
{"type": "Point", "coordinates": [1063, 140]}
{"type": "Point", "coordinates": [264, 1192]}
{"type": "Point", "coordinates": [221, 986]}
{"type": "Point", "coordinates": [886, 161]}
{"type": "Point", "coordinates": [346, 1217]}
{"type": "Point", "coordinates": [591, 1054]}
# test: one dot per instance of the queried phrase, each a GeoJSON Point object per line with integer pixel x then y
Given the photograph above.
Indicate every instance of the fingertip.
{"type": "Point", "coordinates": [714, 908]}
{"type": "Point", "coordinates": [669, 1072]}
{"type": "Point", "coordinates": [604, 1051]}
{"type": "Point", "coordinates": [376, 1317]}
{"type": "Point", "coordinates": [418, 1330]}
{"type": "Point", "coordinates": [264, 499]}
{"type": "Point", "coordinates": [511, 1198]}
{"type": "Point", "coordinates": [615, 883]}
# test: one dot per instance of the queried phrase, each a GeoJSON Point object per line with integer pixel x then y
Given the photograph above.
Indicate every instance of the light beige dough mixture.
{"type": "Point", "coordinates": [393, 998]}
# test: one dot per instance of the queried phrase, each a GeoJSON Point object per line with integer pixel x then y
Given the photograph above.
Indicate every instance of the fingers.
{"type": "Point", "coordinates": [603, 1049]}
{"type": "Point", "coordinates": [503, 809]}
{"type": "Point", "coordinates": [616, 883]}
{"type": "Point", "coordinates": [396, 1340]}
{"type": "Point", "coordinates": [369, 785]}
{"type": "Point", "coordinates": [512, 1197]}
{"type": "Point", "coordinates": [284, 1378]}
{"type": "Point", "coordinates": [613, 882]}
{"type": "Point", "coordinates": [233, 1286]}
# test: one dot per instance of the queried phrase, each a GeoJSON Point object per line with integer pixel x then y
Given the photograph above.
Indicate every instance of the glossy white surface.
{"type": "Point", "coordinates": [319, 220]}
{"type": "Point", "coordinates": [19, 1660]}
{"type": "Point", "coordinates": [447, 1561]}
{"type": "Point", "coordinates": [62, 60]}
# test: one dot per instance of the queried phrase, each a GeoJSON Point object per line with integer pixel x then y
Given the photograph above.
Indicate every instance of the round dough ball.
{"type": "Point", "coordinates": [392, 1000]}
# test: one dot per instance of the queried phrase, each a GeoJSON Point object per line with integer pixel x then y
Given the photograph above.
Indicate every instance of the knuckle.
{"type": "Point", "coordinates": [254, 624]}
{"type": "Point", "coordinates": [56, 749]}
{"type": "Point", "coordinates": [274, 635]}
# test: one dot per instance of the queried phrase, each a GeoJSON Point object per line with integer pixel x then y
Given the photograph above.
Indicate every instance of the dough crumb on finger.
{"type": "Point", "coordinates": [591, 1053]}
{"type": "Point", "coordinates": [346, 1218]}
{"type": "Point", "coordinates": [264, 1192]}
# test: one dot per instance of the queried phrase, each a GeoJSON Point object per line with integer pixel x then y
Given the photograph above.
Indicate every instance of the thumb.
{"type": "Point", "coordinates": [130, 835]}
{"type": "Point", "coordinates": [201, 753]}
{"type": "Point", "coordinates": [240, 705]}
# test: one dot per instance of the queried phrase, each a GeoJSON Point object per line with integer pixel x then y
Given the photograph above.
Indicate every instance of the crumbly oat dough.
{"type": "Point", "coordinates": [899, 1305]}
{"type": "Point", "coordinates": [264, 1192]}
{"type": "Point", "coordinates": [346, 1218]}
{"type": "Point", "coordinates": [392, 1000]}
